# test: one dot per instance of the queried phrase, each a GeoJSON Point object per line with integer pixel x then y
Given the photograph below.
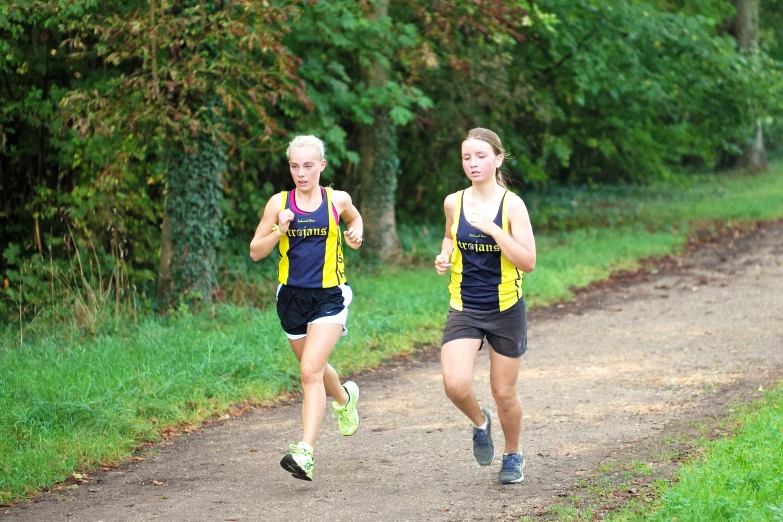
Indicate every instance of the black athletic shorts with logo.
{"type": "Point", "coordinates": [506, 331]}
{"type": "Point", "coordinates": [299, 307]}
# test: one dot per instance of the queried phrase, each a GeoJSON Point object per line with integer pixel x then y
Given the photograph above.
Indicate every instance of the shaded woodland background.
{"type": "Point", "coordinates": [140, 139]}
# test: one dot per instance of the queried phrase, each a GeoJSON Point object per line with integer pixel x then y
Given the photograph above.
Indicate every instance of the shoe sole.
{"type": "Point", "coordinates": [489, 462]}
{"type": "Point", "coordinates": [289, 464]}
{"type": "Point", "coordinates": [516, 481]}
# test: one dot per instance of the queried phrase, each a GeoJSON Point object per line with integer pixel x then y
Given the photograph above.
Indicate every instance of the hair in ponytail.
{"type": "Point", "coordinates": [494, 141]}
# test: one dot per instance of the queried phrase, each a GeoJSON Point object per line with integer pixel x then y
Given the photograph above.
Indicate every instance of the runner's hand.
{"type": "Point", "coordinates": [442, 263]}
{"type": "Point", "coordinates": [353, 237]}
{"type": "Point", "coordinates": [284, 220]}
{"type": "Point", "coordinates": [480, 221]}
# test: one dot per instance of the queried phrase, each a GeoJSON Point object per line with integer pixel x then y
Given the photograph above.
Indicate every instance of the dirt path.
{"type": "Point", "coordinates": [604, 380]}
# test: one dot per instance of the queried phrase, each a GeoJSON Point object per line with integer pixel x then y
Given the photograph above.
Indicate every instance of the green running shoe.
{"type": "Point", "coordinates": [299, 461]}
{"type": "Point", "coordinates": [348, 415]}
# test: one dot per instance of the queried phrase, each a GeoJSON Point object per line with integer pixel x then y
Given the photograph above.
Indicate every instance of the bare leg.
{"type": "Point", "coordinates": [503, 376]}
{"type": "Point", "coordinates": [319, 343]}
{"type": "Point", "coordinates": [331, 379]}
{"type": "Point", "coordinates": [457, 358]}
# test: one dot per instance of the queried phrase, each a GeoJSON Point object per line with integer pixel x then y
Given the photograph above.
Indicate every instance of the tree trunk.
{"type": "Point", "coordinates": [193, 208]}
{"type": "Point", "coordinates": [755, 154]}
{"type": "Point", "coordinates": [378, 168]}
{"type": "Point", "coordinates": [746, 26]}
{"type": "Point", "coordinates": [747, 23]}
{"type": "Point", "coordinates": [164, 268]}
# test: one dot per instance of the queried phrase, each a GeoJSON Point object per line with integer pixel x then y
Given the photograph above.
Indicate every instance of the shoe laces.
{"type": "Point", "coordinates": [344, 411]}
{"type": "Point", "coordinates": [480, 437]}
{"type": "Point", "coordinates": [511, 461]}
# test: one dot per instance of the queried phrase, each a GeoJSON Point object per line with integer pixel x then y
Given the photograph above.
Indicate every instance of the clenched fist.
{"type": "Point", "coordinates": [284, 219]}
{"type": "Point", "coordinates": [353, 238]}
{"type": "Point", "coordinates": [481, 221]}
{"type": "Point", "coordinates": [442, 263]}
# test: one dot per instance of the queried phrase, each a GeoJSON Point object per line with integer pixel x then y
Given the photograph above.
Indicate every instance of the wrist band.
{"type": "Point", "coordinates": [276, 228]}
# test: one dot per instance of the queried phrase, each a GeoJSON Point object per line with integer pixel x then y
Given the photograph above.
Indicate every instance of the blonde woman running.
{"type": "Point", "coordinates": [313, 294]}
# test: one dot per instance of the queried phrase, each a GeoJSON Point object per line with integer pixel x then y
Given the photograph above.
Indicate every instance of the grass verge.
{"type": "Point", "coordinates": [738, 477]}
{"type": "Point", "coordinates": [68, 403]}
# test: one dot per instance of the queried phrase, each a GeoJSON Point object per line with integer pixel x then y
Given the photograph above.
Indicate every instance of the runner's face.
{"type": "Point", "coordinates": [306, 167]}
{"type": "Point", "coordinates": [479, 161]}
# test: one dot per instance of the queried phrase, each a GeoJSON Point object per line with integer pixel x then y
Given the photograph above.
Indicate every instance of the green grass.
{"type": "Point", "coordinates": [739, 478]}
{"type": "Point", "coordinates": [68, 402]}
{"type": "Point", "coordinates": [735, 478]}
{"type": "Point", "coordinates": [70, 406]}
{"type": "Point", "coordinates": [698, 197]}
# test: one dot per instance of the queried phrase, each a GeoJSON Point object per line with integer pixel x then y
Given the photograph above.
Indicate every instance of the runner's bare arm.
{"type": "Point", "coordinates": [443, 260]}
{"type": "Point", "coordinates": [265, 238]}
{"type": "Point", "coordinates": [354, 233]}
{"type": "Point", "coordinates": [519, 246]}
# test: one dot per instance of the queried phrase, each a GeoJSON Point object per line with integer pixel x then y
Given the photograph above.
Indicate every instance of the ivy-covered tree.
{"type": "Point", "coordinates": [185, 83]}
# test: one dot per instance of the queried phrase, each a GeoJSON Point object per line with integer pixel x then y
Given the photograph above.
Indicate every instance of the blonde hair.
{"type": "Point", "coordinates": [307, 141]}
{"type": "Point", "coordinates": [497, 147]}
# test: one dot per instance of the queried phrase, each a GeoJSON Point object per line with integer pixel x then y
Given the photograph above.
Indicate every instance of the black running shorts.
{"type": "Point", "coordinates": [299, 307]}
{"type": "Point", "coordinates": [506, 331]}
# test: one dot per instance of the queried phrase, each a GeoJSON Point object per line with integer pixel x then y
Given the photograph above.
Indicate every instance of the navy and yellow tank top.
{"type": "Point", "coordinates": [482, 278]}
{"type": "Point", "coordinates": [311, 252]}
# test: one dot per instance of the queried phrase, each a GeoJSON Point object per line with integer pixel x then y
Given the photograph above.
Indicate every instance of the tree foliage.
{"type": "Point", "coordinates": [98, 100]}
{"type": "Point", "coordinates": [148, 80]}
{"type": "Point", "coordinates": [611, 92]}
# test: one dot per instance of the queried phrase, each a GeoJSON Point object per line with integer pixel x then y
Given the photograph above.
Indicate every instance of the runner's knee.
{"type": "Point", "coordinates": [505, 396]}
{"type": "Point", "coordinates": [457, 389]}
{"type": "Point", "coordinates": [311, 373]}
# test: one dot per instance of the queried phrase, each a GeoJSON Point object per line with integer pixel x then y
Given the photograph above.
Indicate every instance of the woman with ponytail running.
{"type": "Point", "coordinates": [488, 246]}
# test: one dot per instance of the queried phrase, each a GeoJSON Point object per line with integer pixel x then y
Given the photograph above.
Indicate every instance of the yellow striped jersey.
{"type": "Point", "coordinates": [482, 279]}
{"type": "Point", "coordinates": [311, 252]}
